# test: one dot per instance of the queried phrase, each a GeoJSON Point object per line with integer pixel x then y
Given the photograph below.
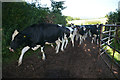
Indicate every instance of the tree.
{"type": "Point", "coordinates": [57, 7]}
{"type": "Point", "coordinates": [69, 18]}
{"type": "Point", "coordinates": [113, 17]}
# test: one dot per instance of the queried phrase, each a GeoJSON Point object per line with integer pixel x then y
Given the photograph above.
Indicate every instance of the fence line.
{"type": "Point", "coordinates": [106, 39]}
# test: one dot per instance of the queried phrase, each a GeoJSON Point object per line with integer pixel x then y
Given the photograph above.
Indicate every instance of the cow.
{"type": "Point", "coordinates": [95, 33]}
{"type": "Point", "coordinates": [71, 36]}
{"type": "Point", "coordinates": [73, 33]}
{"type": "Point", "coordinates": [82, 33]}
{"type": "Point", "coordinates": [35, 36]}
{"type": "Point", "coordinates": [66, 37]}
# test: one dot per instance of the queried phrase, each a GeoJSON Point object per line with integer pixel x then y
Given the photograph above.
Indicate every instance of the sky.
{"type": "Point", "coordinates": [85, 9]}
{"type": "Point", "coordinates": [89, 8]}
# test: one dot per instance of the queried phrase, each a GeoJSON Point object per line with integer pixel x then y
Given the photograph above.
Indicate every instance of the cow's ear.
{"type": "Point", "coordinates": [14, 34]}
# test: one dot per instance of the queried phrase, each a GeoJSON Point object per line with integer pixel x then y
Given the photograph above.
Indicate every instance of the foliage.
{"type": "Point", "coordinates": [19, 15]}
{"type": "Point", "coordinates": [57, 7]}
{"type": "Point", "coordinates": [59, 19]}
{"type": "Point", "coordinates": [116, 54]}
{"type": "Point", "coordinates": [69, 18]}
{"type": "Point", "coordinates": [76, 18]}
{"type": "Point", "coordinates": [114, 17]}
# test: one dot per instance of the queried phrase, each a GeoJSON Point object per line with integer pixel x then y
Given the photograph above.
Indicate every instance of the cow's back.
{"type": "Point", "coordinates": [41, 33]}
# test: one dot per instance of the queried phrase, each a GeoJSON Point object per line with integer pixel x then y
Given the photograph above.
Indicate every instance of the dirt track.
{"type": "Point", "coordinates": [77, 62]}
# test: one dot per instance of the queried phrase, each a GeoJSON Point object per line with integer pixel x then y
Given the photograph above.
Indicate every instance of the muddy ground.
{"type": "Point", "coordinates": [75, 62]}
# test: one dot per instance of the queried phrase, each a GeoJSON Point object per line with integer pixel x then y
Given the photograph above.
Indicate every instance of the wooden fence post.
{"type": "Point", "coordinates": [101, 27]}
{"type": "Point", "coordinates": [115, 37]}
{"type": "Point", "coordinates": [109, 36]}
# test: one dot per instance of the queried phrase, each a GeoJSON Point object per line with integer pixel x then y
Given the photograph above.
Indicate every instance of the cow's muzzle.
{"type": "Point", "coordinates": [11, 49]}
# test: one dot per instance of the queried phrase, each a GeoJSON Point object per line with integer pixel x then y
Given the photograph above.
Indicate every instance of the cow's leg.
{"type": "Point", "coordinates": [43, 54]}
{"type": "Point", "coordinates": [97, 41]}
{"type": "Point", "coordinates": [72, 39]}
{"type": "Point", "coordinates": [77, 37]}
{"type": "Point", "coordinates": [95, 38]}
{"type": "Point", "coordinates": [84, 37]}
{"type": "Point", "coordinates": [63, 42]}
{"type": "Point", "coordinates": [52, 46]}
{"type": "Point", "coordinates": [57, 46]}
{"type": "Point", "coordinates": [89, 33]}
{"type": "Point", "coordinates": [80, 40]}
{"type": "Point", "coordinates": [92, 39]}
{"type": "Point", "coordinates": [66, 40]}
{"type": "Point", "coordinates": [35, 48]}
{"type": "Point", "coordinates": [22, 53]}
{"type": "Point", "coordinates": [66, 43]}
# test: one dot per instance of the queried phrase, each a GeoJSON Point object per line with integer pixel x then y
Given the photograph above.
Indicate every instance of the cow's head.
{"type": "Point", "coordinates": [17, 40]}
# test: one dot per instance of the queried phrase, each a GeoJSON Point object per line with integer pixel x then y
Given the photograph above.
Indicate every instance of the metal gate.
{"type": "Point", "coordinates": [110, 40]}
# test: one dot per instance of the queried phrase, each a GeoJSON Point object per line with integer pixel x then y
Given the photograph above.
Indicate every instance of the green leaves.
{"type": "Point", "coordinates": [113, 17]}
{"type": "Point", "coordinates": [57, 7]}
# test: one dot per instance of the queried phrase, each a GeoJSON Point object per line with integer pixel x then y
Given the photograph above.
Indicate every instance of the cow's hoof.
{"type": "Point", "coordinates": [56, 52]}
{"type": "Point", "coordinates": [62, 50]}
{"type": "Point", "coordinates": [19, 63]}
{"type": "Point", "coordinates": [43, 58]}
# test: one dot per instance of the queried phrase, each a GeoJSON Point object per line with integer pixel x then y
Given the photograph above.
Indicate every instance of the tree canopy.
{"type": "Point", "coordinates": [113, 17]}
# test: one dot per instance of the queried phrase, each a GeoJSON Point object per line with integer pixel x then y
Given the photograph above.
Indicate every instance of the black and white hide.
{"type": "Point", "coordinates": [35, 36]}
{"type": "Point", "coordinates": [95, 33]}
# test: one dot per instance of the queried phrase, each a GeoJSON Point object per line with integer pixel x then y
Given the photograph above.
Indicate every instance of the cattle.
{"type": "Point", "coordinates": [95, 31]}
{"type": "Point", "coordinates": [82, 33]}
{"type": "Point", "coordinates": [37, 35]}
{"type": "Point", "coordinates": [73, 33]}
{"type": "Point", "coordinates": [66, 37]}
{"type": "Point", "coordinates": [88, 30]}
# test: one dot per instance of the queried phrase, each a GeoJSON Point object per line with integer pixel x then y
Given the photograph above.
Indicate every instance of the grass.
{"type": "Point", "coordinates": [116, 54]}
{"type": "Point", "coordinates": [89, 21]}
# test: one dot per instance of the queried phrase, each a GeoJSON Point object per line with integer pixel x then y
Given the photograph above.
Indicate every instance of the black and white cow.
{"type": "Point", "coordinates": [37, 35]}
{"type": "Point", "coordinates": [66, 37]}
{"type": "Point", "coordinates": [67, 34]}
{"type": "Point", "coordinates": [95, 33]}
{"type": "Point", "coordinates": [82, 33]}
{"type": "Point", "coordinates": [73, 33]}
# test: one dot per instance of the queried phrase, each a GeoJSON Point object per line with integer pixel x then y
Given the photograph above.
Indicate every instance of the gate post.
{"type": "Point", "coordinates": [101, 27]}
{"type": "Point", "coordinates": [115, 38]}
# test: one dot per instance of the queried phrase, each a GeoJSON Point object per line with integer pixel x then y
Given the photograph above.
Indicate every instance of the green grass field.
{"type": "Point", "coordinates": [116, 54]}
{"type": "Point", "coordinates": [89, 21]}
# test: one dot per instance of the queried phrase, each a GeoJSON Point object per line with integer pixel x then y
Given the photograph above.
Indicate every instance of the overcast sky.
{"type": "Point", "coordinates": [86, 8]}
